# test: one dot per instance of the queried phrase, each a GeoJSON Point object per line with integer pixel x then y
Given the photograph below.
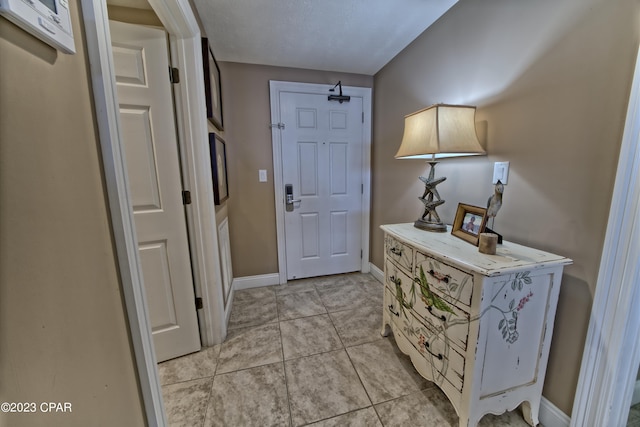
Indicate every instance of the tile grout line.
{"type": "Point", "coordinates": [340, 415]}
{"type": "Point", "coordinates": [213, 379]}
{"type": "Point", "coordinates": [284, 367]}
{"type": "Point", "coordinates": [359, 377]}
{"type": "Point", "coordinates": [344, 348]}
{"type": "Point", "coordinates": [209, 397]}
{"type": "Point", "coordinates": [316, 287]}
{"type": "Point", "coordinates": [352, 365]}
{"type": "Point", "coordinates": [279, 320]}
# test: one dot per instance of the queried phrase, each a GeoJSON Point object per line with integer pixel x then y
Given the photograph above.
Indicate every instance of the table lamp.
{"type": "Point", "coordinates": [437, 132]}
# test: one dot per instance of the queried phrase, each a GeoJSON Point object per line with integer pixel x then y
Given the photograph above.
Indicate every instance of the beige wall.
{"type": "Point", "coordinates": [63, 330]}
{"type": "Point", "coordinates": [133, 16]}
{"type": "Point", "coordinates": [251, 206]}
{"type": "Point", "coordinates": [551, 82]}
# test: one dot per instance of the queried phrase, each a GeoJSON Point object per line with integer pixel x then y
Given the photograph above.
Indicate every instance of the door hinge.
{"type": "Point", "coordinates": [361, 188]}
{"type": "Point", "coordinates": [186, 197]}
{"type": "Point", "coordinates": [363, 117]}
{"type": "Point", "coordinates": [199, 304]}
{"type": "Point", "coordinates": [277, 125]}
{"type": "Point", "coordinates": [174, 75]}
{"type": "Point", "coordinates": [360, 253]}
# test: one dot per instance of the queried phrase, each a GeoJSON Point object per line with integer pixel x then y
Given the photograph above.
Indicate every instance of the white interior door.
{"type": "Point", "coordinates": [141, 62]}
{"type": "Point", "coordinates": [322, 161]}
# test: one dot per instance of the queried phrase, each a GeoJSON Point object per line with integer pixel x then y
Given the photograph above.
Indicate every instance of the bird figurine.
{"type": "Point", "coordinates": [495, 202]}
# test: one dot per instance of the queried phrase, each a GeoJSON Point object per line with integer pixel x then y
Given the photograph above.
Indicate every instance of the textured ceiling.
{"type": "Point", "coordinates": [356, 36]}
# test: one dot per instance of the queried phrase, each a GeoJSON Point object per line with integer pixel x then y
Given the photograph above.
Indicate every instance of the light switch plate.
{"type": "Point", "coordinates": [500, 172]}
{"type": "Point", "coordinates": [262, 175]}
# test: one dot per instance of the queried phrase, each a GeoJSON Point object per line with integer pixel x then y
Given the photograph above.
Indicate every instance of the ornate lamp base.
{"type": "Point", "coordinates": [430, 220]}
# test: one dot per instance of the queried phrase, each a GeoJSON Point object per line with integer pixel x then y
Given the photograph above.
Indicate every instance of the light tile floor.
{"type": "Point", "coordinates": [308, 353]}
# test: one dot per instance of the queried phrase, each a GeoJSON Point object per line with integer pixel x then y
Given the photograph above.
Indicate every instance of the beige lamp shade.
{"type": "Point", "coordinates": [440, 131]}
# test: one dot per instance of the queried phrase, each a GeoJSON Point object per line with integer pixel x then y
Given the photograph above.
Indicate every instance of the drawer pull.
{"type": "Point", "coordinates": [395, 280]}
{"type": "Point", "coordinates": [392, 310]}
{"type": "Point", "coordinates": [439, 355]}
{"type": "Point", "coordinates": [439, 276]}
{"type": "Point", "coordinates": [444, 319]}
{"type": "Point", "coordinates": [396, 251]}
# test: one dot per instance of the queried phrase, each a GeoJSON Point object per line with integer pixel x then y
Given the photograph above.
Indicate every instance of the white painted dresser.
{"type": "Point", "coordinates": [479, 326]}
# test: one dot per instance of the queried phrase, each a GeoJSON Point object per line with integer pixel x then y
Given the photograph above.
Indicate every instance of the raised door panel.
{"type": "Point", "coordinates": [140, 150]}
{"type": "Point", "coordinates": [308, 168]}
{"type": "Point", "coordinates": [310, 233]}
{"type": "Point", "coordinates": [515, 326]}
{"type": "Point", "coordinates": [129, 65]}
{"type": "Point", "coordinates": [154, 258]}
{"type": "Point", "coordinates": [338, 233]}
{"type": "Point", "coordinates": [338, 174]}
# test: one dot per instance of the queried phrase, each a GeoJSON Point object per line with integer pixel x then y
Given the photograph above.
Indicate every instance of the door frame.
{"type": "Point", "coordinates": [275, 88]}
{"type": "Point", "coordinates": [186, 52]}
{"type": "Point", "coordinates": [612, 348]}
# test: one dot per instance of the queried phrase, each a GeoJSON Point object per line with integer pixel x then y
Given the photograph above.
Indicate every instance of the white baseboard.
{"type": "Point", "coordinates": [227, 308]}
{"type": "Point", "coordinates": [260, 280]}
{"type": "Point", "coordinates": [551, 416]}
{"type": "Point", "coordinates": [377, 273]}
{"type": "Point", "coordinates": [249, 282]}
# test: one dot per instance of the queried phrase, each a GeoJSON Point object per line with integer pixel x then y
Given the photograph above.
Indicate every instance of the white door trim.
{"type": "Point", "coordinates": [612, 348]}
{"type": "Point", "coordinates": [186, 53]}
{"type": "Point", "coordinates": [275, 87]}
{"type": "Point", "coordinates": [179, 21]}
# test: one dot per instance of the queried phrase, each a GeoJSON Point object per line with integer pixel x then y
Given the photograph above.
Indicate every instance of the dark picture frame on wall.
{"type": "Point", "coordinates": [212, 86]}
{"type": "Point", "coordinates": [218, 152]}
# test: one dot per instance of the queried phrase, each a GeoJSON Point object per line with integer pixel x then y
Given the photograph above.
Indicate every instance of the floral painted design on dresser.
{"type": "Point", "coordinates": [508, 325]}
{"type": "Point", "coordinates": [430, 298]}
{"type": "Point", "coordinates": [447, 285]}
{"type": "Point", "coordinates": [423, 340]}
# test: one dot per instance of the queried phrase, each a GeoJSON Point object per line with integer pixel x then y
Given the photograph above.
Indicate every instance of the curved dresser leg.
{"type": "Point", "coordinates": [386, 329]}
{"type": "Point", "coordinates": [530, 413]}
{"type": "Point", "coordinates": [467, 422]}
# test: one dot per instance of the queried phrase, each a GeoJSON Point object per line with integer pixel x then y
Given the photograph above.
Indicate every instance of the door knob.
{"type": "Point", "coordinates": [289, 200]}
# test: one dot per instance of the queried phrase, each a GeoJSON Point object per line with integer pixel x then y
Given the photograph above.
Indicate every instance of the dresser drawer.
{"type": "Point", "coordinates": [452, 284]}
{"type": "Point", "coordinates": [394, 276]}
{"type": "Point", "coordinates": [454, 324]}
{"type": "Point", "coordinates": [433, 346]}
{"type": "Point", "coordinates": [399, 253]}
{"type": "Point", "coordinates": [428, 305]}
{"type": "Point", "coordinates": [444, 361]}
{"type": "Point", "coordinates": [393, 306]}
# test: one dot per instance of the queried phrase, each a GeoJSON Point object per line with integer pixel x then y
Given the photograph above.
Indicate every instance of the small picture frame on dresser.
{"type": "Point", "coordinates": [469, 223]}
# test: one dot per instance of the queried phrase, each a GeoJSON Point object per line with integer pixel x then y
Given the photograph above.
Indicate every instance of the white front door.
{"type": "Point", "coordinates": [322, 144]}
{"type": "Point", "coordinates": [141, 63]}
